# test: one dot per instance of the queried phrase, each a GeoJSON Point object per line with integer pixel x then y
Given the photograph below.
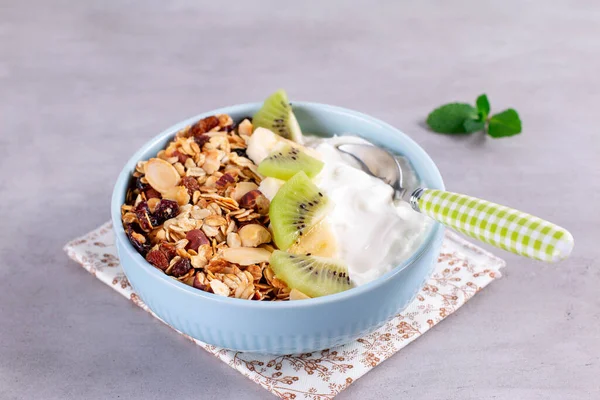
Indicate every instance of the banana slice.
{"type": "Point", "coordinates": [318, 241]}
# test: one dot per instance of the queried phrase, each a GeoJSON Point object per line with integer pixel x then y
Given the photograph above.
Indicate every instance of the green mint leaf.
{"type": "Point", "coordinates": [483, 106]}
{"type": "Point", "coordinates": [450, 118]}
{"type": "Point", "coordinates": [473, 125]}
{"type": "Point", "coordinates": [506, 123]}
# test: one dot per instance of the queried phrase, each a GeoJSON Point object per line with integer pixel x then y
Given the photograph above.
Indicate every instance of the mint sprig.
{"type": "Point", "coordinates": [455, 118]}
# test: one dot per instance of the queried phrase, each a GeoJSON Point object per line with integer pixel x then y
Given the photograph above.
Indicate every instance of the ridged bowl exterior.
{"type": "Point", "coordinates": [293, 326]}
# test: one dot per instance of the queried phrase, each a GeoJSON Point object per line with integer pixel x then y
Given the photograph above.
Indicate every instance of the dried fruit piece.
{"type": "Point", "coordinates": [161, 175]}
{"type": "Point", "coordinates": [180, 267]}
{"type": "Point", "coordinates": [191, 184]}
{"type": "Point", "coordinates": [255, 200]}
{"type": "Point", "coordinates": [253, 235]}
{"type": "Point", "coordinates": [182, 158]}
{"type": "Point", "coordinates": [166, 209]}
{"type": "Point", "coordinates": [142, 184]}
{"type": "Point", "coordinates": [196, 238]}
{"type": "Point", "coordinates": [145, 218]}
{"type": "Point", "coordinates": [201, 140]}
{"type": "Point", "coordinates": [204, 125]}
{"type": "Point", "coordinates": [246, 255]}
{"type": "Point", "coordinates": [169, 250]}
{"type": "Point", "coordinates": [138, 240]}
{"type": "Point", "coordinates": [158, 259]}
{"type": "Point", "coordinates": [151, 194]}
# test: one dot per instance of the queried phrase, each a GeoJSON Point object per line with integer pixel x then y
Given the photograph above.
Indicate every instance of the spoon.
{"type": "Point", "coordinates": [498, 225]}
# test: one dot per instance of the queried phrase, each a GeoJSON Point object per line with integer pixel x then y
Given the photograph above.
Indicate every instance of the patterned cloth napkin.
{"type": "Point", "coordinates": [462, 270]}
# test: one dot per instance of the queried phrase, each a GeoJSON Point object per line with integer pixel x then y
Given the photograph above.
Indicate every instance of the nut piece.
{"type": "Point", "coordinates": [219, 288]}
{"type": "Point", "coordinates": [246, 255]}
{"type": "Point", "coordinates": [253, 235]}
{"type": "Point", "coordinates": [242, 188]}
{"type": "Point", "coordinates": [211, 162]}
{"type": "Point", "coordinates": [295, 294]}
{"type": "Point", "coordinates": [254, 199]}
{"type": "Point", "coordinates": [161, 175]}
{"type": "Point", "coordinates": [179, 194]}
{"type": "Point", "coordinates": [233, 240]}
{"type": "Point", "coordinates": [245, 128]}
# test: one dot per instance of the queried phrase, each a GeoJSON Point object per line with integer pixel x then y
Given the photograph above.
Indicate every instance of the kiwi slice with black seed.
{"type": "Point", "coordinates": [276, 115]}
{"type": "Point", "coordinates": [286, 161]}
{"type": "Point", "coordinates": [312, 275]}
{"type": "Point", "coordinates": [297, 206]}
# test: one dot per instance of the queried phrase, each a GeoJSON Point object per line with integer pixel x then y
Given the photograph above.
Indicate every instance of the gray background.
{"type": "Point", "coordinates": [85, 83]}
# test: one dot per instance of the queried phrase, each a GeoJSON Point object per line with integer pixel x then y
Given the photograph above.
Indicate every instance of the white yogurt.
{"type": "Point", "coordinates": [373, 234]}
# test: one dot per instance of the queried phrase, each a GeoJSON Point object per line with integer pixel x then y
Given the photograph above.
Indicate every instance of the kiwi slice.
{"type": "Point", "coordinates": [276, 115]}
{"type": "Point", "coordinates": [286, 161]}
{"type": "Point", "coordinates": [312, 275]}
{"type": "Point", "coordinates": [297, 206]}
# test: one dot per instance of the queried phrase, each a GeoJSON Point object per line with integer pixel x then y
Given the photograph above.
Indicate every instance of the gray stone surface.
{"type": "Point", "coordinates": [85, 83]}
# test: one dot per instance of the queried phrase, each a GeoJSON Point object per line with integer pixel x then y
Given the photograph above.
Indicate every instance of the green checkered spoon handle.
{"type": "Point", "coordinates": [500, 226]}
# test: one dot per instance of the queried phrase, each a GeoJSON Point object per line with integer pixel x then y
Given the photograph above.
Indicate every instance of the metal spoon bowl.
{"type": "Point", "coordinates": [498, 225]}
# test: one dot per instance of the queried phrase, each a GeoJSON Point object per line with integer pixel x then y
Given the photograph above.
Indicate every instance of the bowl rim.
{"type": "Point", "coordinates": [120, 187]}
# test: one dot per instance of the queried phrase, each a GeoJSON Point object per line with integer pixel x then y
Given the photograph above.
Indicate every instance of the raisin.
{"type": "Point", "coordinates": [138, 240]}
{"type": "Point", "coordinates": [168, 250]}
{"type": "Point", "coordinates": [241, 152]}
{"type": "Point", "coordinates": [158, 259]}
{"type": "Point", "coordinates": [145, 219]}
{"type": "Point", "coordinates": [166, 209]}
{"type": "Point", "coordinates": [201, 139]}
{"type": "Point", "coordinates": [196, 238]}
{"type": "Point", "coordinates": [151, 194]}
{"type": "Point", "coordinates": [204, 125]}
{"type": "Point", "coordinates": [191, 184]}
{"type": "Point", "coordinates": [181, 267]}
{"type": "Point", "coordinates": [224, 180]}
{"type": "Point", "coordinates": [182, 158]}
{"type": "Point", "coordinates": [141, 185]}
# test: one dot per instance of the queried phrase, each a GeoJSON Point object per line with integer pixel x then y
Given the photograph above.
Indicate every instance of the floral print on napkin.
{"type": "Point", "coordinates": [462, 270]}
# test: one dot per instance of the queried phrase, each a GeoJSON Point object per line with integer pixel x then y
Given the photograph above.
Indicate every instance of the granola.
{"type": "Point", "coordinates": [195, 212]}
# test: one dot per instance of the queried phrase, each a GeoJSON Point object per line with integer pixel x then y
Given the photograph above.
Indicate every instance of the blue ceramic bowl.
{"type": "Point", "coordinates": [291, 326]}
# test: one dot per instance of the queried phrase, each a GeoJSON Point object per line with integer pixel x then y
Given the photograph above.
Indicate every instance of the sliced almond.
{"type": "Point", "coordinates": [246, 255]}
{"type": "Point", "coordinates": [161, 175]}
{"type": "Point", "coordinates": [245, 128]}
{"type": "Point", "coordinates": [242, 188]}
{"type": "Point", "coordinates": [233, 240]}
{"type": "Point", "coordinates": [215, 220]}
{"type": "Point", "coordinates": [253, 235]}
{"type": "Point", "coordinates": [178, 194]}
{"type": "Point", "coordinates": [219, 288]}
{"type": "Point", "coordinates": [211, 163]}
{"type": "Point", "coordinates": [295, 294]}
